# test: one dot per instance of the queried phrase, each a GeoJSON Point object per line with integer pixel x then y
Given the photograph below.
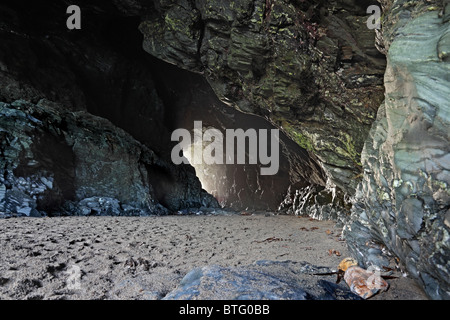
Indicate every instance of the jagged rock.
{"type": "Point", "coordinates": [52, 157]}
{"type": "Point", "coordinates": [274, 280]}
{"type": "Point", "coordinates": [403, 200]}
{"type": "Point", "coordinates": [105, 206]}
{"type": "Point", "coordinates": [318, 203]}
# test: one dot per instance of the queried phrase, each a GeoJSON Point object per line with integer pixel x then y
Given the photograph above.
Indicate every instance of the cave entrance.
{"type": "Point", "coordinates": [188, 98]}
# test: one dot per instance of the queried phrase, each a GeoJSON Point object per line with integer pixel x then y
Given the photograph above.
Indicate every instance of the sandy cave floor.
{"type": "Point", "coordinates": [146, 257]}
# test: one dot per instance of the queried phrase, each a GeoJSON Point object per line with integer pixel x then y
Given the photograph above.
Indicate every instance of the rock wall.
{"type": "Point", "coordinates": [403, 201]}
{"type": "Point", "coordinates": [62, 163]}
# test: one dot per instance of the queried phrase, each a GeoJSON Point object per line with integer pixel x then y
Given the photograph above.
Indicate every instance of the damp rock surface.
{"type": "Point", "coordinates": [403, 200]}
{"type": "Point", "coordinates": [61, 163]}
{"type": "Point", "coordinates": [263, 280]}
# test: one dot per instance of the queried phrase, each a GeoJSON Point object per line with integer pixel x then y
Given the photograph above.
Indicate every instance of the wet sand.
{"type": "Point", "coordinates": [146, 257]}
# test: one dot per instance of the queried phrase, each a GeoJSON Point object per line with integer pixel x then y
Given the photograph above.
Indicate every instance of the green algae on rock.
{"type": "Point", "coordinates": [403, 199]}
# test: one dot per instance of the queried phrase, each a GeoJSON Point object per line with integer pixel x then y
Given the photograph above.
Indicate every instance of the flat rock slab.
{"type": "Point", "coordinates": [274, 280]}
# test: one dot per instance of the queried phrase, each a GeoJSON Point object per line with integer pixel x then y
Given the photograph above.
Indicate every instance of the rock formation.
{"type": "Point", "coordinates": [59, 162]}
{"type": "Point", "coordinates": [274, 280]}
{"type": "Point", "coordinates": [403, 200]}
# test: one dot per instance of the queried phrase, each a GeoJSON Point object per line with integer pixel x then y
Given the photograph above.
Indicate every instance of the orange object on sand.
{"type": "Point", "coordinates": [363, 282]}
{"type": "Point", "coordinates": [346, 263]}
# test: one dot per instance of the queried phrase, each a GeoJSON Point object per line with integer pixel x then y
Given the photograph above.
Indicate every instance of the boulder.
{"type": "Point", "coordinates": [263, 280]}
